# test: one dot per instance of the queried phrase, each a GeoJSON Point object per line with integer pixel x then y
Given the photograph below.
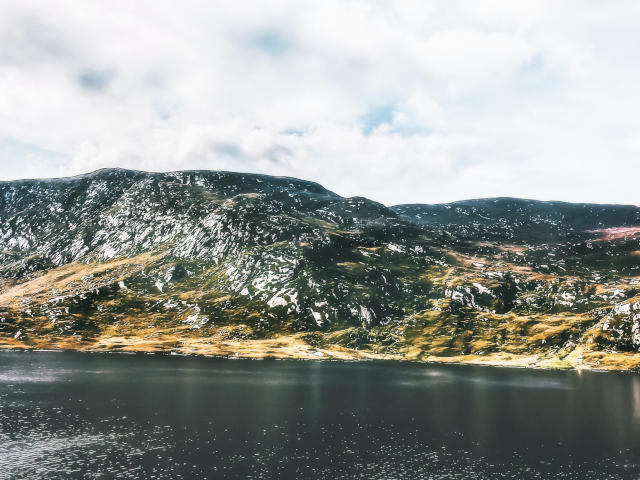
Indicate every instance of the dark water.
{"type": "Point", "coordinates": [73, 415]}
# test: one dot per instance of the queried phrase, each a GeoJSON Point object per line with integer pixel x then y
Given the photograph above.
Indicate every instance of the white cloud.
{"type": "Point", "coordinates": [469, 58]}
{"type": "Point", "coordinates": [401, 101]}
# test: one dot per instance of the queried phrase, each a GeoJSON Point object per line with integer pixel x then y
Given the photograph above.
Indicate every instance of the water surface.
{"type": "Point", "coordinates": [78, 415]}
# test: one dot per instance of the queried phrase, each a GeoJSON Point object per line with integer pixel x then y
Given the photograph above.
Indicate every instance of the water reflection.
{"type": "Point", "coordinates": [81, 416]}
{"type": "Point", "coordinates": [635, 388]}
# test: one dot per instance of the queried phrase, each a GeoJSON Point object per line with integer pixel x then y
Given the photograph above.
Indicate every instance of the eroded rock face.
{"type": "Point", "coordinates": [117, 253]}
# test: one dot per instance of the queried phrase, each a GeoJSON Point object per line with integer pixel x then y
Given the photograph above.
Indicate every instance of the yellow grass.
{"type": "Point", "coordinates": [61, 278]}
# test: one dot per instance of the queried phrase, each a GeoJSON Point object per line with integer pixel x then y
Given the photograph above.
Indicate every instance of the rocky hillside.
{"type": "Point", "coordinates": [250, 265]}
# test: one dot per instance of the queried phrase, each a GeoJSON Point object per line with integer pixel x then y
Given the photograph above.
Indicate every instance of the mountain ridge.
{"type": "Point", "coordinates": [196, 171]}
{"type": "Point", "coordinates": [230, 263]}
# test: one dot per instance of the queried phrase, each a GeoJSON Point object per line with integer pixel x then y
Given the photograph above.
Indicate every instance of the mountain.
{"type": "Point", "coordinates": [238, 264]}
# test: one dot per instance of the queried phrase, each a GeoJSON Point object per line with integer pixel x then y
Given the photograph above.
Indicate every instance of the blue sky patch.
{"type": "Point", "coordinates": [376, 116]}
{"type": "Point", "coordinates": [272, 42]}
{"type": "Point", "coordinates": [95, 80]}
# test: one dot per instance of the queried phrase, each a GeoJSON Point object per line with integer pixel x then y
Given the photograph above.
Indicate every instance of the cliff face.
{"type": "Point", "coordinates": [238, 264]}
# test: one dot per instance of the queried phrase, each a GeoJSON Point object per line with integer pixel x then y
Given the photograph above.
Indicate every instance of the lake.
{"type": "Point", "coordinates": [78, 415]}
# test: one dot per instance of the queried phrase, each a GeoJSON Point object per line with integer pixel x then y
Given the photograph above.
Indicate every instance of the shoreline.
{"type": "Point", "coordinates": [292, 348]}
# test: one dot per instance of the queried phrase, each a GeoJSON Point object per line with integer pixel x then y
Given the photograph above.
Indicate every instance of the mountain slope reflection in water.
{"type": "Point", "coordinates": [74, 415]}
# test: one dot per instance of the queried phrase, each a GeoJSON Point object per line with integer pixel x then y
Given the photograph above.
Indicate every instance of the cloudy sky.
{"type": "Point", "coordinates": [404, 101]}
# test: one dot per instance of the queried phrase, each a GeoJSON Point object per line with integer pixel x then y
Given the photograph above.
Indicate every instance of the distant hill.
{"type": "Point", "coordinates": [227, 263]}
